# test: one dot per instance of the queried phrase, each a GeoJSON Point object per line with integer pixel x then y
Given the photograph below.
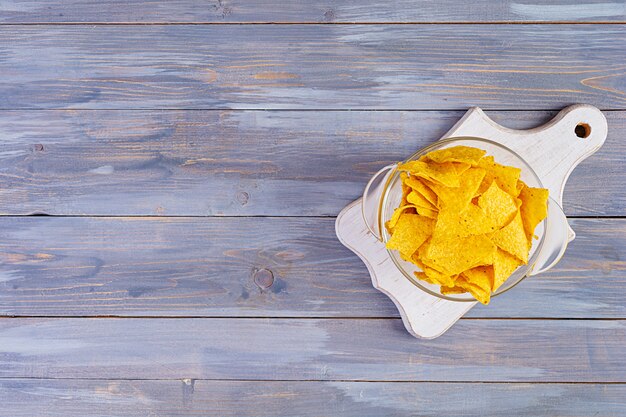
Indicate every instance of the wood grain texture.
{"type": "Point", "coordinates": [296, 163]}
{"type": "Point", "coordinates": [206, 267]}
{"type": "Point", "coordinates": [313, 66]}
{"type": "Point", "coordinates": [309, 349]}
{"type": "Point", "coordinates": [110, 398]}
{"type": "Point", "coordinates": [315, 11]}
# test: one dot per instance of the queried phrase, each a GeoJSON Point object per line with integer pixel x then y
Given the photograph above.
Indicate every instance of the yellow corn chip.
{"type": "Point", "coordinates": [431, 214]}
{"type": "Point", "coordinates": [533, 210]}
{"type": "Point", "coordinates": [422, 276]}
{"type": "Point", "coordinates": [409, 233]}
{"type": "Point", "coordinates": [503, 266]}
{"type": "Point", "coordinates": [454, 256]}
{"type": "Point", "coordinates": [512, 239]}
{"type": "Point", "coordinates": [505, 176]}
{"type": "Point", "coordinates": [482, 276]}
{"type": "Point", "coordinates": [480, 293]}
{"type": "Point", "coordinates": [471, 221]}
{"type": "Point", "coordinates": [444, 174]}
{"type": "Point", "coordinates": [457, 198]}
{"type": "Point", "coordinates": [419, 200]}
{"type": "Point", "coordinates": [452, 290]}
{"type": "Point", "coordinates": [417, 184]}
{"type": "Point", "coordinates": [457, 154]}
{"type": "Point", "coordinates": [391, 223]}
{"type": "Point", "coordinates": [405, 188]}
{"type": "Point", "coordinates": [498, 205]}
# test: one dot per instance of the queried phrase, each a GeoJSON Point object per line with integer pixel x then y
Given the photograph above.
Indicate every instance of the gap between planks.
{"type": "Point", "coordinates": [319, 381]}
{"type": "Point", "coordinates": [287, 318]}
{"type": "Point", "coordinates": [378, 23]}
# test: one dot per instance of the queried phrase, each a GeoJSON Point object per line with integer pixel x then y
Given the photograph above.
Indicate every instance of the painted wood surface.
{"type": "Point", "coordinates": [309, 349]}
{"type": "Point", "coordinates": [315, 11]}
{"type": "Point", "coordinates": [241, 163]}
{"type": "Point", "coordinates": [312, 66]}
{"type": "Point", "coordinates": [206, 267]}
{"type": "Point", "coordinates": [110, 398]}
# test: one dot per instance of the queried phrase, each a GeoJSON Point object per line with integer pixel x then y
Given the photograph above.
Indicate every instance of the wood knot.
{"type": "Point", "coordinates": [39, 147]}
{"type": "Point", "coordinates": [243, 197]}
{"type": "Point", "coordinates": [329, 15]}
{"type": "Point", "coordinates": [263, 278]}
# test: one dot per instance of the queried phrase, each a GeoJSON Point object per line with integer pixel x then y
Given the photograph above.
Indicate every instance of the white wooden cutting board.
{"type": "Point", "coordinates": [552, 150]}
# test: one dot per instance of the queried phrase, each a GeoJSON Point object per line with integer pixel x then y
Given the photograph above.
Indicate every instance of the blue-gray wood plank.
{"type": "Point", "coordinates": [165, 266]}
{"type": "Point", "coordinates": [123, 398]}
{"type": "Point", "coordinates": [430, 66]}
{"type": "Point", "coordinates": [242, 163]}
{"type": "Point", "coordinates": [472, 350]}
{"type": "Point", "coordinates": [311, 11]}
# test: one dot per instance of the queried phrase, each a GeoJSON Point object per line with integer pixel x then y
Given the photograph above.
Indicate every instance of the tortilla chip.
{"type": "Point", "coordinates": [444, 174]}
{"type": "Point", "coordinates": [423, 277]}
{"type": "Point", "coordinates": [431, 214]}
{"type": "Point", "coordinates": [457, 154]}
{"type": "Point", "coordinates": [533, 210]}
{"type": "Point", "coordinates": [419, 200]}
{"type": "Point", "coordinates": [457, 198]}
{"type": "Point", "coordinates": [471, 221]}
{"type": "Point", "coordinates": [512, 239]}
{"type": "Point", "coordinates": [503, 266]}
{"type": "Point", "coordinates": [417, 184]}
{"type": "Point", "coordinates": [479, 292]}
{"type": "Point", "coordinates": [405, 188]}
{"type": "Point", "coordinates": [498, 205]}
{"type": "Point", "coordinates": [409, 233]}
{"type": "Point", "coordinates": [482, 276]}
{"type": "Point", "coordinates": [505, 176]}
{"type": "Point", "coordinates": [391, 223]}
{"type": "Point", "coordinates": [452, 290]}
{"type": "Point", "coordinates": [453, 256]}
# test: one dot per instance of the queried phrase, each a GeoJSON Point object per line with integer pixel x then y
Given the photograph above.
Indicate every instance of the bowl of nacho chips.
{"type": "Point", "coordinates": [465, 219]}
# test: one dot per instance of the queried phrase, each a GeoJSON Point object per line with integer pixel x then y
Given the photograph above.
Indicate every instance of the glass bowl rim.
{"type": "Point", "coordinates": [436, 145]}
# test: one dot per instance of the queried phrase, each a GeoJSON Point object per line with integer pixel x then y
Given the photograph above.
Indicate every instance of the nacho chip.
{"type": "Point", "coordinates": [505, 176]}
{"type": "Point", "coordinates": [438, 277]}
{"type": "Point", "coordinates": [452, 290]}
{"type": "Point", "coordinates": [423, 277]}
{"type": "Point", "coordinates": [481, 276]}
{"type": "Point", "coordinates": [409, 233]}
{"type": "Point", "coordinates": [419, 200]}
{"type": "Point", "coordinates": [431, 214]}
{"type": "Point", "coordinates": [405, 188]}
{"type": "Point", "coordinates": [457, 154]}
{"type": "Point", "coordinates": [471, 221]}
{"type": "Point", "coordinates": [498, 205]}
{"type": "Point", "coordinates": [512, 239]}
{"type": "Point", "coordinates": [454, 256]}
{"type": "Point", "coordinates": [480, 293]}
{"type": "Point", "coordinates": [533, 210]}
{"type": "Point", "coordinates": [503, 266]}
{"type": "Point", "coordinates": [457, 198]}
{"type": "Point", "coordinates": [391, 223]}
{"type": "Point", "coordinates": [444, 174]}
{"type": "Point", "coordinates": [417, 184]}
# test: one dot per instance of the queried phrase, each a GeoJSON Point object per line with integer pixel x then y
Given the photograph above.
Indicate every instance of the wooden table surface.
{"type": "Point", "coordinates": [169, 176]}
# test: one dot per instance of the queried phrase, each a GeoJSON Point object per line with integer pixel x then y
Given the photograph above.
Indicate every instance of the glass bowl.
{"type": "Point", "coordinates": [384, 194]}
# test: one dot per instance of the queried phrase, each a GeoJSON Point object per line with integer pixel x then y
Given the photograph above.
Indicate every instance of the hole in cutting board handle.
{"type": "Point", "coordinates": [582, 130]}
